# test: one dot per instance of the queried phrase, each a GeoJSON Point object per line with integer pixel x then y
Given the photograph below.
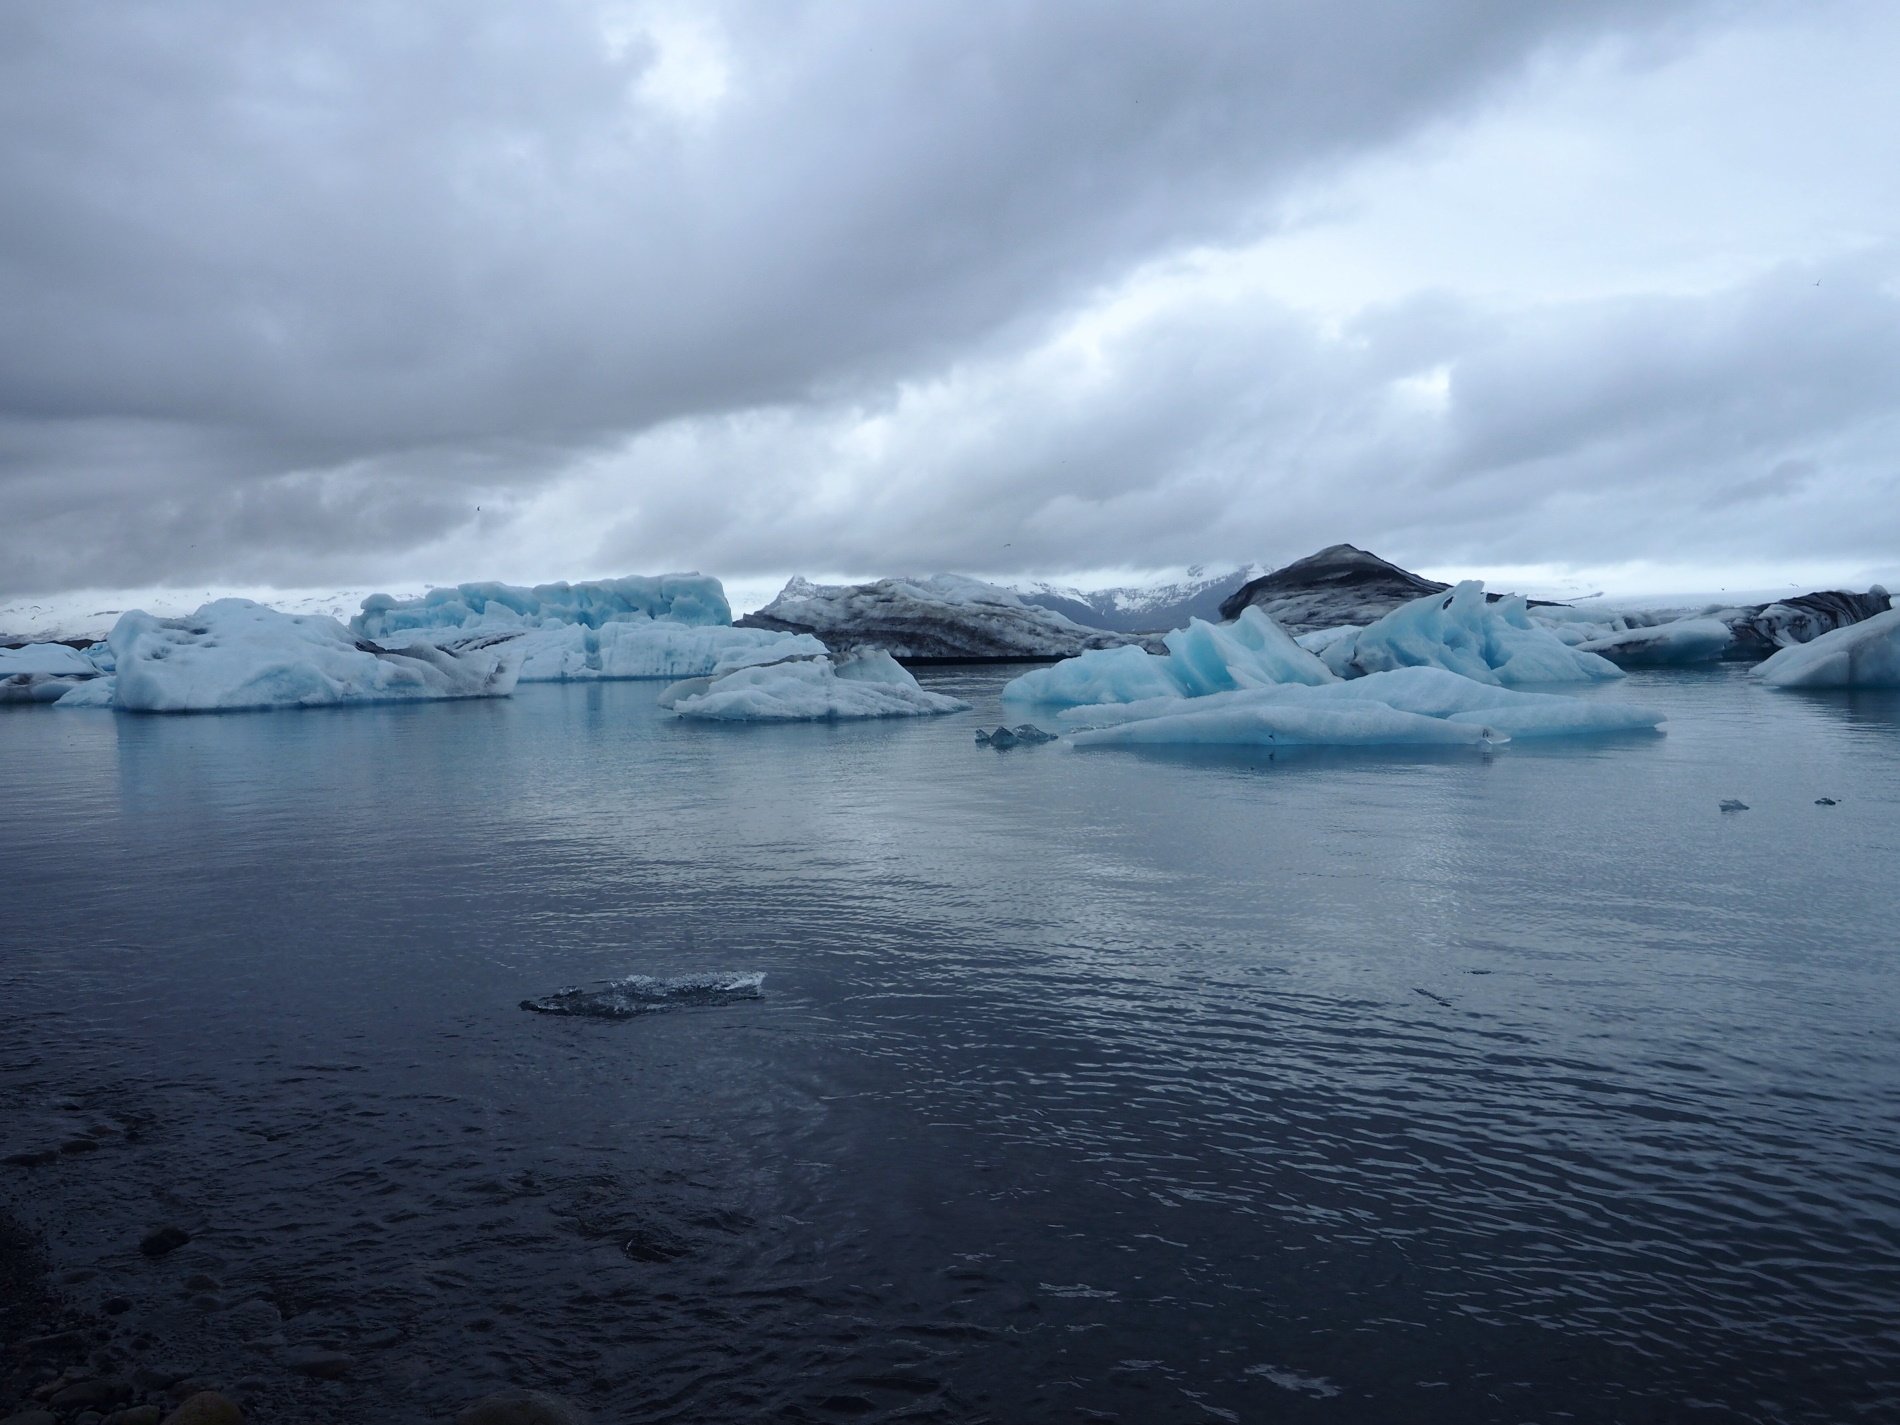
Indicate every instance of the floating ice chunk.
{"type": "Point", "coordinates": [235, 654]}
{"type": "Point", "coordinates": [1106, 675]}
{"type": "Point", "coordinates": [695, 599]}
{"type": "Point", "coordinates": [1682, 641]}
{"type": "Point", "coordinates": [869, 683]}
{"type": "Point", "coordinates": [1202, 658]}
{"type": "Point", "coordinates": [647, 648]}
{"type": "Point", "coordinates": [644, 994]}
{"type": "Point", "coordinates": [1268, 722]}
{"type": "Point", "coordinates": [1251, 652]}
{"type": "Point", "coordinates": [1354, 713]}
{"type": "Point", "coordinates": [1463, 633]}
{"type": "Point", "coordinates": [1861, 655]}
{"type": "Point", "coordinates": [42, 672]}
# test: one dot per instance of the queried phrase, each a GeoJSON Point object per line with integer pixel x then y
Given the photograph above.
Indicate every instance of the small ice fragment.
{"type": "Point", "coordinates": [1825, 802]}
{"type": "Point", "coordinates": [1733, 804]}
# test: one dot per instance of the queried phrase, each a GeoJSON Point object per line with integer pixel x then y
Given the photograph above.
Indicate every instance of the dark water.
{"type": "Point", "coordinates": [1080, 1086]}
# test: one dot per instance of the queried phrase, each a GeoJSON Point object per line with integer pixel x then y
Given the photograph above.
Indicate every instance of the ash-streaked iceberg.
{"type": "Point", "coordinates": [1861, 655]}
{"type": "Point", "coordinates": [234, 654]}
{"type": "Point", "coordinates": [695, 599]}
{"type": "Point", "coordinates": [1407, 706]}
{"type": "Point", "coordinates": [946, 616]}
{"type": "Point", "coordinates": [1462, 632]}
{"type": "Point", "coordinates": [43, 672]}
{"type": "Point", "coordinates": [1203, 658]}
{"type": "Point", "coordinates": [865, 684]}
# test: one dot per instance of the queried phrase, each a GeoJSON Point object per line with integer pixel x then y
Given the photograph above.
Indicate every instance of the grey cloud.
{"type": "Point", "coordinates": [334, 252]}
{"type": "Point", "coordinates": [1222, 432]}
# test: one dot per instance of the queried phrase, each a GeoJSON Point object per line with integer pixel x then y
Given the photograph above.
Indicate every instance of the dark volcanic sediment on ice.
{"type": "Point", "coordinates": [944, 617]}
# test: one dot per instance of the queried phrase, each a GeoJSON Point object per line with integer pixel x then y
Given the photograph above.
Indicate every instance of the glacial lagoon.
{"type": "Point", "coordinates": [1427, 1085]}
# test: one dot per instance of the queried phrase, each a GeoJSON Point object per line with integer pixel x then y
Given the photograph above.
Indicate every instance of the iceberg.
{"type": "Point", "coordinates": [234, 654]}
{"type": "Point", "coordinates": [869, 683]}
{"type": "Point", "coordinates": [636, 995]}
{"type": "Point", "coordinates": [1463, 633]}
{"type": "Point", "coordinates": [1860, 655]}
{"type": "Point", "coordinates": [43, 672]}
{"type": "Point", "coordinates": [694, 599]}
{"type": "Point", "coordinates": [1407, 706]}
{"type": "Point", "coordinates": [1202, 658]}
{"type": "Point", "coordinates": [572, 653]}
{"type": "Point", "coordinates": [947, 616]}
{"type": "Point", "coordinates": [1341, 584]}
{"type": "Point", "coordinates": [1664, 645]}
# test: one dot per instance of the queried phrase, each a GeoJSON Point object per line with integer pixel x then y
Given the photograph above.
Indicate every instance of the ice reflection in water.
{"type": "Point", "coordinates": [1464, 1089]}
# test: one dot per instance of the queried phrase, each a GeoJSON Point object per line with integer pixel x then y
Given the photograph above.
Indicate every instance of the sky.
{"type": "Point", "coordinates": [1595, 295]}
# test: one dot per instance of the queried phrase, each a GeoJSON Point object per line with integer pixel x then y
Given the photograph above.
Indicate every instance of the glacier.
{"type": "Point", "coordinates": [234, 654]}
{"type": "Point", "coordinates": [1202, 658]}
{"type": "Point", "coordinates": [1860, 655]}
{"type": "Point", "coordinates": [695, 599]}
{"type": "Point", "coordinates": [865, 684]}
{"type": "Point", "coordinates": [1405, 706]}
{"type": "Point", "coordinates": [945, 616]}
{"type": "Point", "coordinates": [1462, 632]}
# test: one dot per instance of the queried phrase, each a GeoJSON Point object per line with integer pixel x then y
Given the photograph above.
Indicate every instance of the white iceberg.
{"type": "Point", "coordinates": [869, 683]}
{"type": "Point", "coordinates": [1403, 706]}
{"type": "Point", "coordinates": [234, 654]}
{"type": "Point", "coordinates": [946, 616]}
{"type": "Point", "coordinates": [695, 599]}
{"type": "Point", "coordinates": [1664, 645]}
{"type": "Point", "coordinates": [43, 672]}
{"type": "Point", "coordinates": [1202, 658]}
{"type": "Point", "coordinates": [1861, 655]}
{"type": "Point", "coordinates": [1464, 633]}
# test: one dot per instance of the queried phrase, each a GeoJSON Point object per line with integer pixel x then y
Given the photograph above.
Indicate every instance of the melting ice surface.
{"type": "Point", "coordinates": [645, 994]}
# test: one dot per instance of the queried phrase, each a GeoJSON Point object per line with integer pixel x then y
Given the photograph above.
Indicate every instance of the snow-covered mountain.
{"type": "Point", "coordinates": [1142, 608]}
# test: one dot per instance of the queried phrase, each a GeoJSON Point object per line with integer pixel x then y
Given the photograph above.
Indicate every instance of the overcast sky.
{"type": "Point", "coordinates": [377, 294]}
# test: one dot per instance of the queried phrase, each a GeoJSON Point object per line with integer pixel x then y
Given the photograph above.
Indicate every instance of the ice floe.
{"type": "Point", "coordinates": [1678, 643]}
{"type": "Point", "coordinates": [646, 994]}
{"type": "Point", "coordinates": [1202, 658]}
{"type": "Point", "coordinates": [234, 654]}
{"type": "Point", "coordinates": [1861, 655]}
{"type": "Point", "coordinates": [43, 672]}
{"type": "Point", "coordinates": [868, 683]}
{"type": "Point", "coordinates": [1403, 706]}
{"type": "Point", "coordinates": [946, 616]}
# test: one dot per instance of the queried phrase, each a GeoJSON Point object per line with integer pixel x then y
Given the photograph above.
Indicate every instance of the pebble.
{"type": "Point", "coordinates": [137, 1415]}
{"type": "Point", "coordinates": [32, 1417]}
{"type": "Point", "coordinates": [89, 1394]}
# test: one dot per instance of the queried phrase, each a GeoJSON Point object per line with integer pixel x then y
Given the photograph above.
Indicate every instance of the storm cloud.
{"type": "Point", "coordinates": [367, 292]}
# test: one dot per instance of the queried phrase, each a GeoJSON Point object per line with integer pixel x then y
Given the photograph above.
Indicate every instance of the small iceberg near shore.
{"type": "Point", "coordinates": [645, 994]}
{"type": "Point", "coordinates": [869, 683]}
